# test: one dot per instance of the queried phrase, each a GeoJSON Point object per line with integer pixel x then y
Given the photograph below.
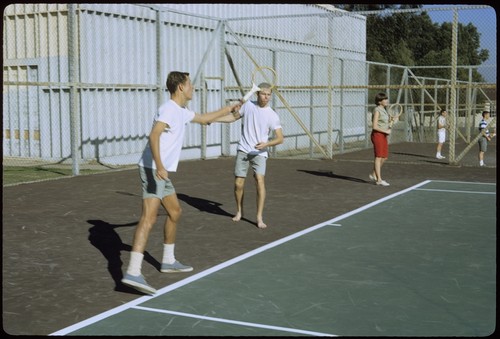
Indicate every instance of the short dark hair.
{"type": "Point", "coordinates": [175, 79]}
{"type": "Point", "coordinates": [485, 112]}
{"type": "Point", "coordinates": [379, 97]}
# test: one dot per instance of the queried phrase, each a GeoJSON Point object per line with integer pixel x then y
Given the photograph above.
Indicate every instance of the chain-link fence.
{"type": "Point", "coordinates": [81, 82]}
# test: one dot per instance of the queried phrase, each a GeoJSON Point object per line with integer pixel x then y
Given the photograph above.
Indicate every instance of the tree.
{"type": "Point", "coordinates": [412, 39]}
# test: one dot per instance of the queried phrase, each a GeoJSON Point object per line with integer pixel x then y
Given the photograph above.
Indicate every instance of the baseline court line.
{"type": "Point", "coordinates": [453, 191]}
{"type": "Point", "coordinates": [465, 182]}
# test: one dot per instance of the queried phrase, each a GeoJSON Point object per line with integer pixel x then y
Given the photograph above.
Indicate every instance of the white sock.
{"type": "Point", "coordinates": [438, 154]}
{"type": "Point", "coordinates": [135, 264]}
{"type": "Point", "coordinates": [481, 162]}
{"type": "Point", "coordinates": [168, 254]}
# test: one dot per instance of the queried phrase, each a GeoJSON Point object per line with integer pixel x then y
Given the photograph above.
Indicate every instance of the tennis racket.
{"type": "Point", "coordinates": [395, 110]}
{"type": "Point", "coordinates": [260, 75]}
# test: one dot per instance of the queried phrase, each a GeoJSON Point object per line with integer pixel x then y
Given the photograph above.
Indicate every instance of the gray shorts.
{"type": "Point", "coordinates": [483, 144]}
{"type": "Point", "coordinates": [152, 187]}
{"type": "Point", "coordinates": [243, 160]}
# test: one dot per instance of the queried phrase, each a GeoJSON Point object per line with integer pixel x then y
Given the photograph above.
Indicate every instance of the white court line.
{"type": "Point", "coordinates": [225, 264]}
{"type": "Point", "coordinates": [452, 191]}
{"type": "Point", "coordinates": [466, 182]}
{"type": "Point", "coordinates": [227, 321]}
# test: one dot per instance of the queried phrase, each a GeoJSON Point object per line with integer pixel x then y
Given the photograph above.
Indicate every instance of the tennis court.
{"type": "Point", "coordinates": [384, 269]}
{"type": "Point", "coordinates": [341, 256]}
{"type": "Point", "coordinates": [66, 244]}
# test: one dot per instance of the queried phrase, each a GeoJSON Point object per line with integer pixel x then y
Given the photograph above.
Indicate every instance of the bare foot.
{"type": "Point", "coordinates": [260, 224]}
{"type": "Point", "coordinates": [237, 217]}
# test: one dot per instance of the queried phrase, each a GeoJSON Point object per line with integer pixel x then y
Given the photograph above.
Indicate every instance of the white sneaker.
{"type": "Point", "coordinates": [372, 177]}
{"type": "Point", "coordinates": [382, 183]}
{"type": "Point", "coordinates": [440, 157]}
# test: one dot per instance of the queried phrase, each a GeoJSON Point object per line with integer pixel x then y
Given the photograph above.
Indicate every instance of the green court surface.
{"type": "Point", "coordinates": [420, 262]}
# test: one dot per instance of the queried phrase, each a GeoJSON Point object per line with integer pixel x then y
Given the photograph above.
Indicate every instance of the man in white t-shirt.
{"type": "Point", "coordinates": [441, 133]}
{"type": "Point", "coordinates": [161, 156]}
{"type": "Point", "coordinates": [258, 122]}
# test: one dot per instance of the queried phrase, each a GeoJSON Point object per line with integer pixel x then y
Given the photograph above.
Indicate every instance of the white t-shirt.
{"type": "Point", "coordinates": [256, 125]}
{"type": "Point", "coordinates": [442, 131]}
{"type": "Point", "coordinates": [172, 138]}
{"type": "Point", "coordinates": [442, 122]}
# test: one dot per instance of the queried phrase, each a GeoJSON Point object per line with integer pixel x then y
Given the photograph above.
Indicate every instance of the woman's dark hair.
{"type": "Point", "coordinates": [379, 97]}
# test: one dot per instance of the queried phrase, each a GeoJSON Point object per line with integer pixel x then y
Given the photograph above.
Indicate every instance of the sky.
{"type": "Point", "coordinates": [486, 22]}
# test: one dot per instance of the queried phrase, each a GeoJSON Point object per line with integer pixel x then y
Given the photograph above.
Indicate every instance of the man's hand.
{"type": "Point", "coordinates": [162, 174]}
{"type": "Point", "coordinates": [236, 107]}
{"type": "Point", "coordinates": [261, 145]}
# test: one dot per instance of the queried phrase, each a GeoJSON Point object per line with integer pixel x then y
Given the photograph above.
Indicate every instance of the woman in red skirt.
{"type": "Point", "coordinates": [380, 132]}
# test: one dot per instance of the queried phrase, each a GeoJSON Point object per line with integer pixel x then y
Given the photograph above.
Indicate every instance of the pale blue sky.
{"type": "Point", "coordinates": [486, 22]}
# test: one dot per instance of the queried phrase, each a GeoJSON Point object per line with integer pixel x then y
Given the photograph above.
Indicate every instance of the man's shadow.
{"type": "Point", "coordinates": [330, 174]}
{"type": "Point", "coordinates": [104, 237]}
{"type": "Point", "coordinates": [208, 206]}
{"type": "Point", "coordinates": [412, 154]}
{"type": "Point", "coordinates": [203, 205]}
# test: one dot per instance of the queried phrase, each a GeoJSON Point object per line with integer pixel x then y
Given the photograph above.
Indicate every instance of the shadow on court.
{"type": "Point", "coordinates": [208, 206]}
{"type": "Point", "coordinates": [104, 237]}
{"type": "Point", "coordinates": [330, 174]}
{"type": "Point", "coordinates": [57, 271]}
{"type": "Point", "coordinates": [204, 205]}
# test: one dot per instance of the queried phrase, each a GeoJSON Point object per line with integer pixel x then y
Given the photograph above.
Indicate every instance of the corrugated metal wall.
{"type": "Point", "coordinates": [118, 70]}
{"type": "Point", "coordinates": [35, 118]}
{"type": "Point", "coordinates": [124, 53]}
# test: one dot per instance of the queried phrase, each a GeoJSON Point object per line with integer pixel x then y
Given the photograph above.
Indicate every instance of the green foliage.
{"type": "Point", "coordinates": [412, 39]}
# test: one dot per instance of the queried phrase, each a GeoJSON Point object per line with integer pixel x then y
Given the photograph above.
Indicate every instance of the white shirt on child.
{"type": "Point", "coordinates": [442, 122]}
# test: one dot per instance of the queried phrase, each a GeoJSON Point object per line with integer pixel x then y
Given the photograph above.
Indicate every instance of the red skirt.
{"type": "Point", "coordinates": [380, 144]}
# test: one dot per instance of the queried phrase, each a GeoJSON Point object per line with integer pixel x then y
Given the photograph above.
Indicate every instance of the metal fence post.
{"type": "Point", "coordinates": [453, 97]}
{"type": "Point", "coordinates": [73, 94]}
{"type": "Point", "coordinates": [159, 63]}
{"type": "Point", "coordinates": [330, 89]}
